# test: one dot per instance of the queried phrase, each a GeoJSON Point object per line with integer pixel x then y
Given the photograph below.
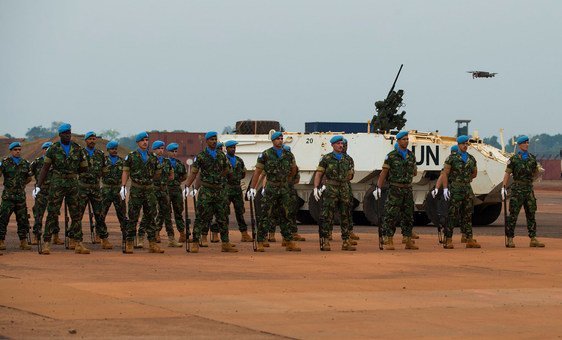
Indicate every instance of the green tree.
{"type": "Point", "coordinates": [38, 132]}
{"type": "Point", "coordinates": [110, 134]}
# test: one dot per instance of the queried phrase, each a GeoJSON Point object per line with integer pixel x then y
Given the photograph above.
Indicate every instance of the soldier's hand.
{"type": "Point", "coordinates": [446, 194]}
{"type": "Point", "coordinates": [317, 194]}
{"type": "Point", "coordinates": [123, 193]}
{"type": "Point", "coordinates": [504, 193]}
{"type": "Point", "coordinates": [377, 193]}
{"type": "Point", "coordinates": [434, 192]}
{"type": "Point", "coordinates": [194, 192]}
{"type": "Point", "coordinates": [35, 192]}
{"type": "Point", "coordinates": [185, 192]}
{"type": "Point", "coordinates": [251, 194]}
{"type": "Point", "coordinates": [263, 191]}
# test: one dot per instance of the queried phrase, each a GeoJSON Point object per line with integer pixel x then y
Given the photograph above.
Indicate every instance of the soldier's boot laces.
{"type": "Point", "coordinates": [510, 243]}
{"type": "Point", "coordinates": [292, 246]}
{"type": "Point", "coordinates": [298, 237]}
{"type": "Point", "coordinates": [246, 237]}
{"type": "Point", "coordinates": [194, 248]}
{"type": "Point", "coordinates": [259, 248]}
{"type": "Point", "coordinates": [203, 241]}
{"type": "Point", "coordinates": [449, 243]}
{"type": "Point", "coordinates": [129, 246]}
{"type": "Point", "coordinates": [410, 244]}
{"type": "Point", "coordinates": [325, 245]}
{"type": "Point", "coordinates": [347, 246]}
{"type": "Point", "coordinates": [97, 239]}
{"type": "Point", "coordinates": [388, 243]}
{"type": "Point", "coordinates": [471, 243]}
{"type": "Point", "coordinates": [57, 240]}
{"type": "Point", "coordinates": [415, 236]}
{"type": "Point", "coordinates": [105, 244]}
{"type": "Point", "coordinates": [535, 243]}
{"type": "Point", "coordinates": [353, 236]}
{"type": "Point", "coordinates": [158, 238]}
{"type": "Point", "coordinates": [228, 247]}
{"type": "Point", "coordinates": [172, 243]}
{"type": "Point", "coordinates": [2, 245]}
{"type": "Point", "coordinates": [140, 242]}
{"type": "Point", "coordinates": [24, 245]}
{"type": "Point", "coordinates": [153, 247]}
{"type": "Point", "coordinates": [35, 240]}
{"type": "Point", "coordinates": [81, 249]}
{"type": "Point", "coordinates": [463, 238]}
{"type": "Point", "coordinates": [71, 244]}
{"type": "Point", "coordinates": [271, 237]}
{"type": "Point", "coordinates": [183, 237]}
{"type": "Point", "coordinates": [215, 237]}
{"type": "Point", "coordinates": [46, 250]}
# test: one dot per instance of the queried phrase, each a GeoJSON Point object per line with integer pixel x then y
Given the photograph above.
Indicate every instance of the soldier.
{"type": "Point", "coordinates": [90, 191]}
{"type": "Point", "coordinates": [17, 173]}
{"type": "Point", "coordinates": [65, 159]}
{"type": "Point", "coordinates": [524, 168]}
{"type": "Point", "coordinates": [278, 165]}
{"type": "Point", "coordinates": [213, 167]}
{"type": "Point", "coordinates": [338, 169]}
{"type": "Point", "coordinates": [41, 199]}
{"type": "Point", "coordinates": [111, 179]}
{"type": "Point", "coordinates": [142, 166]}
{"type": "Point", "coordinates": [459, 170]}
{"type": "Point", "coordinates": [400, 168]}
{"type": "Point", "coordinates": [352, 235]}
{"type": "Point", "coordinates": [175, 191]}
{"type": "Point", "coordinates": [233, 189]}
{"type": "Point", "coordinates": [164, 216]}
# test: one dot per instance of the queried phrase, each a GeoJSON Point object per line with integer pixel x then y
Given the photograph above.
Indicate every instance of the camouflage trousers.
{"type": "Point", "coordinates": [276, 207]}
{"type": "Point", "coordinates": [522, 195]}
{"type": "Point", "coordinates": [350, 208]}
{"type": "Point", "coordinates": [399, 211]}
{"type": "Point", "coordinates": [39, 209]}
{"type": "Point", "coordinates": [92, 193]}
{"type": "Point", "coordinates": [211, 202]}
{"type": "Point", "coordinates": [176, 202]}
{"type": "Point", "coordinates": [335, 198]}
{"type": "Point", "coordinates": [142, 197]}
{"type": "Point", "coordinates": [460, 210]}
{"type": "Point", "coordinates": [164, 215]}
{"type": "Point", "coordinates": [17, 206]}
{"type": "Point", "coordinates": [110, 195]}
{"type": "Point", "coordinates": [293, 198]}
{"type": "Point", "coordinates": [234, 196]}
{"type": "Point", "coordinates": [63, 189]}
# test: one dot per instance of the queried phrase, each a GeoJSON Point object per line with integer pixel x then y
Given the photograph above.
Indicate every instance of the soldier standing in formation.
{"type": "Point", "coordinates": [524, 168]}
{"type": "Point", "coordinates": [17, 173]}
{"type": "Point", "coordinates": [338, 169]}
{"type": "Point", "coordinates": [352, 236]}
{"type": "Point", "coordinates": [175, 191]}
{"type": "Point", "coordinates": [400, 168]}
{"type": "Point", "coordinates": [111, 179]}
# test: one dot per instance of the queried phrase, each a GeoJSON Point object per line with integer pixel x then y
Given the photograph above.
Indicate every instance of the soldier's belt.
{"type": "Point", "coordinates": [211, 185]}
{"type": "Point", "coordinates": [401, 185]}
{"type": "Point", "coordinates": [89, 186]}
{"type": "Point", "coordinates": [277, 184]}
{"type": "Point", "coordinates": [65, 176]}
{"type": "Point", "coordinates": [111, 186]}
{"type": "Point", "coordinates": [233, 185]}
{"type": "Point", "coordinates": [336, 182]}
{"type": "Point", "coordinates": [141, 186]}
{"type": "Point", "coordinates": [460, 183]}
{"type": "Point", "coordinates": [523, 182]}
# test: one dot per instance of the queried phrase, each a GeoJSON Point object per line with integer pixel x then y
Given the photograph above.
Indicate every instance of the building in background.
{"type": "Point", "coordinates": [190, 143]}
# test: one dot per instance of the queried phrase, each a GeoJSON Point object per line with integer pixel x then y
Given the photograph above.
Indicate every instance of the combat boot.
{"type": "Point", "coordinates": [405, 239]}
{"type": "Point", "coordinates": [80, 248]}
{"type": "Point", "coordinates": [194, 248]}
{"type": "Point", "coordinates": [346, 245]}
{"type": "Point", "coordinates": [284, 242]}
{"type": "Point", "coordinates": [410, 244]}
{"type": "Point", "coordinates": [35, 241]}
{"type": "Point", "coordinates": [203, 241]}
{"type": "Point", "coordinates": [71, 244]}
{"type": "Point", "coordinates": [158, 238]}
{"type": "Point", "coordinates": [259, 247]}
{"type": "Point", "coordinates": [471, 243]}
{"type": "Point", "coordinates": [46, 248]}
{"type": "Point", "coordinates": [463, 238]}
{"type": "Point", "coordinates": [129, 246]}
{"type": "Point", "coordinates": [292, 246]}
{"type": "Point", "coordinates": [215, 237]}
{"type": "Point", "coordinates": [353, 236]}
{"type": "Point", "coordinates": [510, 243]}
{"type": "Point", "coordinates": [24, 245]}
{"type": "Point", "coordinates": [153, 247]}
{"type": "Point", "coordinates": [140, 242]}
{"type": "Point", "coordinates": [415, 235]}
{"type": "Point", "coordinates": [535, 243]}
{"type": "Point", "coordinates": [183, 237]}
{"type": "Point", "coordinates": [325, 245]}
{"type": "Point", "coordinates": [246, 237]}
{"type": "Point", "coordinates": [297, 237]}
{"type": "Point", "coordinates": [57, 240]}
{"type": "Point", "coordinates": [97, 239]}
{"type": "Point", "coordinates": [449, 243]}
{"type": "Point", "coordinates": [265, 244]}
{"type": "Point", "coordinates": [271, 237]}
{"type": "Point", "coordinates": [2, 245]}
{"type": "Point", "coordinates": [352, 242]}
{"type": "Point", "coordinates": [227, 247]}
{"type": "Point", "coordinates": [388, 243]}
{"type": "Point", "coordinates": [172, 243]}
{"type": "Point", "coordinates": [105, 244]}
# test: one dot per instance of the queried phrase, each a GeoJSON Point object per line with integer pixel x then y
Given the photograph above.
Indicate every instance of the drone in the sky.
{"type": "Point", "coordinates": [482, 74]}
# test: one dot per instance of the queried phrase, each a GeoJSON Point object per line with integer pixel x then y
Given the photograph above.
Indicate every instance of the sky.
{"type": "Point", "coordinates": [202, 65]}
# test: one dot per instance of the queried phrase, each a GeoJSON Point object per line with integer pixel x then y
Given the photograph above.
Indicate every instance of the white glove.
{"type": "Point", "coordinates": [377, 193]}
{"type": "Point", "coordinates": [434, 192]}
{"type": "Point", "coordinates": [263, 191]}
{"type": "Point", "coordinates": [504, 193]}
{"type": "Point", "coordinates": [35, 192]}
{"type": "Point", "coordinates": [322, 189]}
{"type": "Point", "coordinates": [317, 194]}
{"type": "Point", "coordinates": [185, 192]}
{"type": "Point", "coordinates": [193, 192]}
{"type": "Point", "coordinates": [251, 194]}
{"type": "Point", "coordinates": [123, 192]}
{"type": "Point", "coordinates": [446, 194]}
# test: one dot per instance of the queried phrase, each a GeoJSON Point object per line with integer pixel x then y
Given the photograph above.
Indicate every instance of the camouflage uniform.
{"type": "Point", "coordinates": [64, 185]}
{"type": "Point", "coordinates": [293, 201]}
{"type": "Point", "coordinates": [234, 192]}
{"type": "Point", "coordinates": [336, 196]}
{"type": "Point", "coordinates": [142, 193]}
{"type": "Point", "coordinates": [111, 184]}
{"type": "Point", "coordinates": [211, 200]}
{"type": "Point", "coordinates": [399, 205]}
{"type": "Point", "coordinates": [277, 198]}
{"type": "Point", "coordinates": [41, 199]}
{"type": "Point", "coordinates": [16, 176]}
{"type": "Point", "coordinates": [175, 192]}
{"type": "Point", "coordinates": [522, 193]}
{"type": "Point", "coordinates": [164, 216]}
{"type": "Point", "coordinates": [461, 202]}
{"type": "Point", "coordinates": [90, 190]}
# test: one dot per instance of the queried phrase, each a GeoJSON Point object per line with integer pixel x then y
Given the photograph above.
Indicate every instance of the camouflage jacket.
{"type": "Point", "coordinates": [112, 172]}
{"type": "Point", "coordinates": [96, 163]}
{"type": "Point", "coordinates": [180, 173]}
{"type": "Point", "coordinates": [212, 170]}
{"type": "Point", "coordinates": [36, 167]}
{"type": "Point", "coordinates": [400, 170]}
{"type": "Point", "coordinates": [165, 168]}
{"type": "Point", "coordinates": [277, 169]}
{"type": "Point", "coordinates": [141, 172]}
{"type": "Point", "coordinates": [459, 171]}
{"type": "Point", "coordinates": [238, 172]}
{"type": "Point", "coordinates": [522, 170]}
{"type": "Point", "coordinates": [334, 169]}
{"type": "Point", "coordinates": [61, 164]}
{"type": "Point", "coordinates": [16, 176]}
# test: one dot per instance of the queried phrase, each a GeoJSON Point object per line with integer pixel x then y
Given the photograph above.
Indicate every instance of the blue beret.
{"type": "Point", "coordinates": [230, 143]}
{"type": "Point", "coordinates": [287, 148]}
{"type": "Point", "coordinates": [401, 134]}
{"type": "Point", "coordinates": [172, 146]}
{"type": "Point", "coordinates": [112, 145]}
{"type": "Point", "coordinates": [220, 145]}
{"type": "Point", "coordinates": [455, 148]}
{"type": "Point", "coordinates": [336, 139]}
{"type": "Point", "coordinates": [89, 134]}
{"type": "Point", "coordinates": [210, 134]}
{"type": "Point", "coordinates": [64, 127]}
{"type": "Point", "coordinates": [462, 139]}
{"type": "Point", "coordinates": [157, 144]}
{"type": "Point", "coordinates": [140, 136]}
{"type": "Point", "coordinates": [14, 145]}
{"type": "Point", "coordinates": [522, 139]}
{"type": "Point", "coordinates": [46, 145]}
{"type": "Point", "coordinates": [276, 135]}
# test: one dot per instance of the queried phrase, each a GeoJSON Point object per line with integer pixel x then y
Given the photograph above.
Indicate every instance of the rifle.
{"type": "Point", "coordinates": [381, 238]}
{"type": "Point", "coordinates": [124, 226]}
{"type": "Point", "coordinates": [92, 228]}
{"type": "Point", "coordinates": [395, 80]}
{"type": "Point", "coordinates": [187, 224]}
{"type": "Point", "coordinates": [254, 227]}
{"type": "Point", "coordinates": [66, 220]}
{"type": "Point", "coordinates": [506, 227]}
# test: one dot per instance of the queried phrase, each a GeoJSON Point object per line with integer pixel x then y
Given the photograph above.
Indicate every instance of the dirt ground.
{"type": "Point", "coordinates": [491, 292]}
